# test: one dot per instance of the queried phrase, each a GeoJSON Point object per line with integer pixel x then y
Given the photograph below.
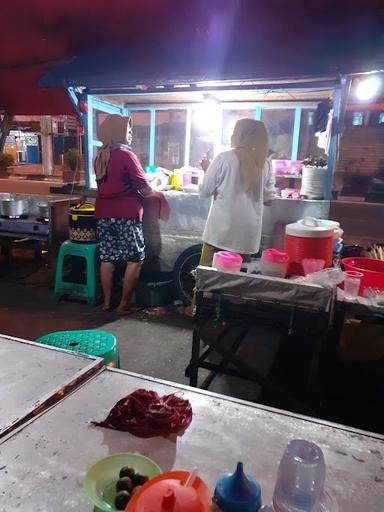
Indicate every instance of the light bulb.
{"type": "Point", "coordinates": [368, 88]}
{"type": "Point", "coordinates": [206, 115]}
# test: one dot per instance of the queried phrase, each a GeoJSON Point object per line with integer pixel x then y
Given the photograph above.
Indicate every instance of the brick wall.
{"type": "Point", "coordinates": [361, 149]}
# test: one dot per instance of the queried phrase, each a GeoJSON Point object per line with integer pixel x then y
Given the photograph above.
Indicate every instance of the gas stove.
{"type": "Point", "coordinates": [32, 225]}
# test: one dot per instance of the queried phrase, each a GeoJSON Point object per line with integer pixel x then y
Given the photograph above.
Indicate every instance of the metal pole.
{"type": "Point", "coordinates": [296, 134]}
{"type": "Point", "coordinates": [46, 145]}
{"type": "Point", "coordinates": [5, 127]}
{"type": "Point", "coordinates": [340, 99]}
{"type": "Point", "coordinates": [188, 127]}
{"type": "Point", "coordinates": [90, 179]}
{"type": "Point", "coordinates": [152, 137]}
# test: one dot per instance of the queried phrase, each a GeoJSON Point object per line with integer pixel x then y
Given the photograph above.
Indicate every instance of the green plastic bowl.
{"type": "Point", "coordinates": [100, 480]}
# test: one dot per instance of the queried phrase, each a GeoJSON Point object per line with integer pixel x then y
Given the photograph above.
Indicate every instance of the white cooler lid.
{"type": "Point", "coordinates": [328, 223]}
{"type": "Point", "coordinates": [309, 227]}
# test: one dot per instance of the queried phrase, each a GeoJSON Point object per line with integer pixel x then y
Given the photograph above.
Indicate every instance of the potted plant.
{"type": "Point", "coordinates": [73, 164]}
{"type": "Point", "coordinates": [6, 160]}
{"type": "Point", "coordinates": [315, 161]}
{"type": "Point", "coordinates": [313, 177]}
{"type": "Point", "coordinates": [72, 159]}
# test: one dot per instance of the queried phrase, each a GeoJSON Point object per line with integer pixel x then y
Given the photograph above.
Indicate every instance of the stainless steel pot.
{"type": "Point", "coordinates": [43, 209]}
{"type": "Point", "coordinates": [14, 206]}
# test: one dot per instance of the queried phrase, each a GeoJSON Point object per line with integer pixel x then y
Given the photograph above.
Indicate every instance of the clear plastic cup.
{"type": "Point", "coordinates": [312, 265]}
{"type": "Point", "coordinates": [300, 478]}
{"type": "Point", "coordinates": [352, 282]}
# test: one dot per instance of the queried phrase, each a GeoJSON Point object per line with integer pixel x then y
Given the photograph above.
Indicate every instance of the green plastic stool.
{"type": "Point", "coordinates": [91, 342]}
{"type": "Point", "coordinates": [88, 291]}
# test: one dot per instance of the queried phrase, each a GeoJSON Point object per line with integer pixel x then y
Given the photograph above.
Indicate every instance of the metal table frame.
{"type": "Point", "coordinates": [213, 309]}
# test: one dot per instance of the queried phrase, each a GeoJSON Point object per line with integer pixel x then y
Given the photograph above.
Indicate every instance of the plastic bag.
{"type": "Point", "coordinates": [375, 295]}
{"type": "Point", "coordinates": [327, 278]}
{"type": "Point", "coordinates": [146, 414]}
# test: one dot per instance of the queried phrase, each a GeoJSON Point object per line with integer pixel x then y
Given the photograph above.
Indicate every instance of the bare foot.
{"type": "Point", "coordinates": [127, 309]}
{"type": "Point", "coordinates": [106, 308]}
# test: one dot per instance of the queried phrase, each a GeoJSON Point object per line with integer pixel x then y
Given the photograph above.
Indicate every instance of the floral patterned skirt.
{"type": "Point", "coordinates": [121, 240]}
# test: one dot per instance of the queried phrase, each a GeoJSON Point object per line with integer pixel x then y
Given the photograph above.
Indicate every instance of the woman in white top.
{"type": "Point", "coordinates": [241, 184]}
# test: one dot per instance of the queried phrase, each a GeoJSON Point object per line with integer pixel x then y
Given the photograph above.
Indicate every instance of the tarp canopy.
{"type": "Point", "coordinates": [177, 38]}
{"type": "Point", "coordinates": [114, 68]}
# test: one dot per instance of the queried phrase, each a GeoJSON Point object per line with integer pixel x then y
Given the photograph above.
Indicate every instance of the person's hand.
{"type": "Point", "coordinates": [205, 161]}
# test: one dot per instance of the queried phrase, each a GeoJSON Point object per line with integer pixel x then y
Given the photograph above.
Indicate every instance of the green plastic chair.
{"type": "Point", "coordinates": [87, 291]}
{"type": "Point", "coordinates": [91, 342]}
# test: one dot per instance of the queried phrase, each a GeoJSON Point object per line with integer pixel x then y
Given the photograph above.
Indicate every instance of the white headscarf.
{"type": "Point", "coordinates": [250, 143]}
{"type": "Point", "coordinates": [113, 130]}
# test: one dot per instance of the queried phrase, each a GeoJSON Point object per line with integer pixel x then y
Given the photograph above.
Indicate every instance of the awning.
{"type": "Point", "coordinates": [146, 68]}
{"type": "Point", "coordinates": [20, 94]}
{"type": "Point", "coordinates": [176, 39]}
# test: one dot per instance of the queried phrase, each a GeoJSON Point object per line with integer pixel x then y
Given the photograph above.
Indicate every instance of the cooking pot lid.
{"type": "Point", "coordinates": [84, 207]}
{"type": "Point", "coordinates": [309, 227]}
{"type": "Point", "coordinates": [14, 199]}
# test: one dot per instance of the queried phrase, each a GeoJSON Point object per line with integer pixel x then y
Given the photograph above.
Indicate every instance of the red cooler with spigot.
{"type": "Point", "coordinates": [308, 238]}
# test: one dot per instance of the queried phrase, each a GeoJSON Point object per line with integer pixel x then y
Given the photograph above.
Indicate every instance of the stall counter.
{"type": "Point", "coordinates": [168, 237]}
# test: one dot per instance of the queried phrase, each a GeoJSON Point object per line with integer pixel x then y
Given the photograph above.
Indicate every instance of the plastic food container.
{"type": "Point", "coordinates": [274, 263]}
{"type": "Point", "coordinates": [82, 224]}
{"type": "Point", "coordinates": [100, 480]}
{"type": "Point", "coordinates": [187, 178]}
{"type": "Point", "coordinates": [372, 270]}
{"type": "Point", "coordinates": [312, 265]}
{"type": "Point", "coordinates": [286, 167]}
{"type": "Point", "coordinates": [287, 193]}
{"type": "Point", "coordinates": [226, 261]}
{"type": "Point", "coordinates": [307, 238]}
{"type": "Point", "coordinates": [177, 179]}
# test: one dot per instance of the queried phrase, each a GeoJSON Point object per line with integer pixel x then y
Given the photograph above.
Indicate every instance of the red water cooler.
{"type": "Point", "coordinates": [307, 238]}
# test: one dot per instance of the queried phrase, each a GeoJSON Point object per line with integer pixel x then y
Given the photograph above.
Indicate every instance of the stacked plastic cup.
{"type": "Point", "coordinates": [300, 480]}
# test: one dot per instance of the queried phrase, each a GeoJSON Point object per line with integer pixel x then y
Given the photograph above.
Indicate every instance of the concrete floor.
{"type": "Point", "coordinates": [157, 342]}
{"type": "Point", "coordinates": [154, 342]}
{"type": "Point", "coordinates": [157, 348]}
